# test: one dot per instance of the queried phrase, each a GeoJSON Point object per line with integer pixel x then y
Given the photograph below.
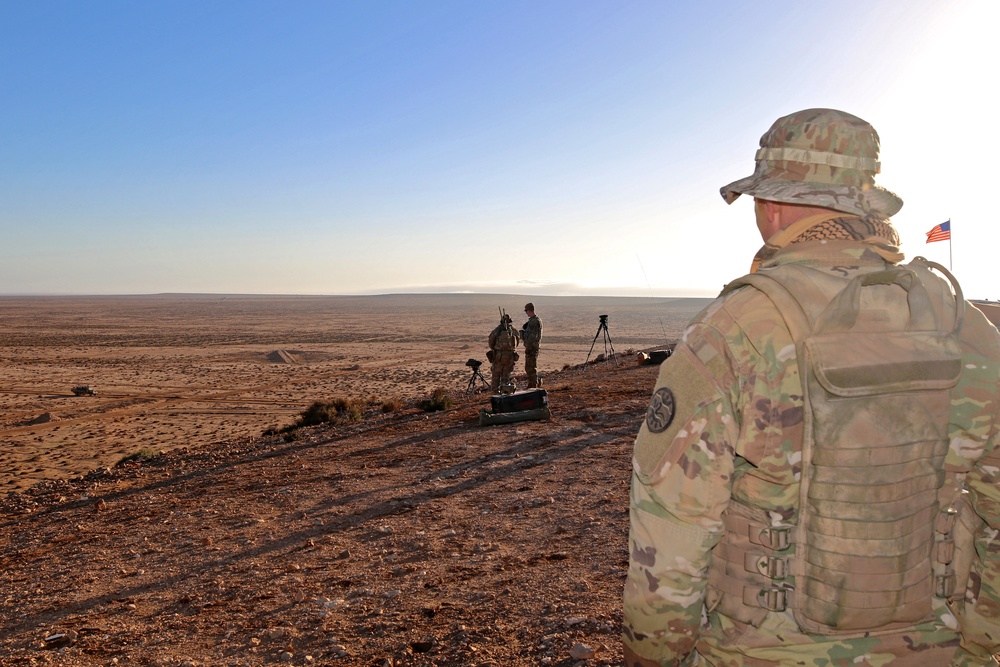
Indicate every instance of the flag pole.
{"type": "Point", "coordinates": [949, 246]}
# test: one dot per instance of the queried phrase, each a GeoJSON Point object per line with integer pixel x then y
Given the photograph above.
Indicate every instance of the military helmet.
{"type": "Point", "coordinates": [819, 157]}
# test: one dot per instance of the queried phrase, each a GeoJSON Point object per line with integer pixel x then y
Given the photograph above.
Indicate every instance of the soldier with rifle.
{"type": "Point", "coordinates": [502, 355]}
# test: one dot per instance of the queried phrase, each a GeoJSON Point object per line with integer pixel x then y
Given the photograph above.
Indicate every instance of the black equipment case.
{"type": "Point", "coordinates": [530, 399]}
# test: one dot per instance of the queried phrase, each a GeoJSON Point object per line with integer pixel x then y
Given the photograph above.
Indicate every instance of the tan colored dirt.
{"type": "Point", "coordinates": [408, 538]}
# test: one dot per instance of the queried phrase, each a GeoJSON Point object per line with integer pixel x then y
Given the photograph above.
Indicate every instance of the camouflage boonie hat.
{"type": "Point", "coordinates": [819, 157]}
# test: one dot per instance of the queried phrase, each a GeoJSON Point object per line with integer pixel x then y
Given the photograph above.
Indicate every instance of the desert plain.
{"type": "Point", "coordinates": [408, 538]}
{"type": "Point", "coordinates": [171, 371]}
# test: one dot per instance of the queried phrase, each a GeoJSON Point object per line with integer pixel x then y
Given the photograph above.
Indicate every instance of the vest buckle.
{"type": "Point", "coordinates": [944, 585]}
{"type": "Point", "coordinates": [773, 599]}
{"type": "Point", "coordinates": [776, 537]}
{"type": "Point", "coordinates": [771, 567]}
{"type": "Point", "coordinates": [944, 551]}
{"type": "Point", "coordinates": [945, 521]}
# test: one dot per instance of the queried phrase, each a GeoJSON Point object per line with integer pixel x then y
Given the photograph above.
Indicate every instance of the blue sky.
{"type": "Point", "coordinates": [533, 147]}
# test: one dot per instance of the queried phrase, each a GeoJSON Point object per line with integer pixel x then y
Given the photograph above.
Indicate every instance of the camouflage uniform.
{"type": "Point", "coordinates": [531, 336]}
{"type": "Point", "coordinates": [726, 425]}
{"type": "Point", "coordinates": [503, 341]}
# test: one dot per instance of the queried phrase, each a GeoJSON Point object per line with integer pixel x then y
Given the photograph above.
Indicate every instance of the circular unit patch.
{"type": "Point", "coordinates": [661, 410]}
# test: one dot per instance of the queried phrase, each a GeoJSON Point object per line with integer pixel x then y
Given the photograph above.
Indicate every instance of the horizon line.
{"type": "Point", "coordinates": [535, 294]}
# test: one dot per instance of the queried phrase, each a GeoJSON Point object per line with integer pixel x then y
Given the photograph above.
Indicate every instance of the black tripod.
{"type": "Point", "coordinates": [471, 388]}
{"type": "Point", "coordinates": [603, 326]}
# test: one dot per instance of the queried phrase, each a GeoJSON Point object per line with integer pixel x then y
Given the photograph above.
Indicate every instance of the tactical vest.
{"type": "Point", "coordinates": [506, 339]}
{"type": "Point", "coordinates": [531, 333]}
{"type": "Point", "coordinates": [878, 519]}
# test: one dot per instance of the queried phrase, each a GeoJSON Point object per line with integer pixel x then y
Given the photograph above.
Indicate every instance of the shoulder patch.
{"type": "Point", "coordinates": [661, 410]}
{"type": "Point", "coordinates": [684, 391]}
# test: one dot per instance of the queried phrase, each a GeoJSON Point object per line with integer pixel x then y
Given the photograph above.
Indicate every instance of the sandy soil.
{"type": "Point", "coordinates": [174, 371]}
{"type": "Point", "coordinates": [407, 538]}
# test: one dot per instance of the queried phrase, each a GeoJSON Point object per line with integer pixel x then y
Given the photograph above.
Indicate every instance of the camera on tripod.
{"type": "Point", "coordinates": [477, 375]}
{"type": "Point", "coordinates": [609, 347]}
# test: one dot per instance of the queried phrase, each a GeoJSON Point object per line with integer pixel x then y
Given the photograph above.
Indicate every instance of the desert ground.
{"type": "Point", "coordinates": [408, 537]}
{"type": "Point", "coordinates": [174, 371]}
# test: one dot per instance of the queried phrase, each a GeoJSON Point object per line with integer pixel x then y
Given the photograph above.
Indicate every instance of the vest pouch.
{"type": "Point", "coordinates": [967, 524]}
{"type": "Point", "coordinates": [885, 362]}
{"type": "Point", "coordinates": [869, 494]}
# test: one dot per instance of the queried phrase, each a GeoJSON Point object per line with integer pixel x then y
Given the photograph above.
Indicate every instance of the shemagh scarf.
{"type": "Point", "coordinates": [834, 226]}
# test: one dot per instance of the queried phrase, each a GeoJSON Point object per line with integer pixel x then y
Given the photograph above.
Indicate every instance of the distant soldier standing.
{"type": "Point", "coordinates": [531, 335]}
{"type": "Point", "coordinates": [503, 341]}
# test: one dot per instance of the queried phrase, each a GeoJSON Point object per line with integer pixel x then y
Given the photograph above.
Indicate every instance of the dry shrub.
{"type": "Point", "coordinates": [337, 411]}
{"type": "Point", "coordinates": [144, 454]}
{"type": "Point", "coordinates": [439, 400]}
{"type": "Point", "coordinates": [391, 405]}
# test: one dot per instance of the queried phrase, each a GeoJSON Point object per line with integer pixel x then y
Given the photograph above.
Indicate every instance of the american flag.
{"type": "Point", "coordinates": [940, 232]}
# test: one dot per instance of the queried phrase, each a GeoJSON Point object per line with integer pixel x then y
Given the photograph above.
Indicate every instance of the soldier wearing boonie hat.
{"type": "Point", "coordinates": [820, 157]}
{"type": "Point", "coordinates": [805, 457]}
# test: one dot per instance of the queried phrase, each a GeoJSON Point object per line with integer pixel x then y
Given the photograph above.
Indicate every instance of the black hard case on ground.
{"type": "Point", "coordinates": [531, 399]}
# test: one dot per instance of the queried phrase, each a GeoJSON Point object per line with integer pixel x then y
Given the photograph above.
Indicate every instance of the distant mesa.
{"type": "Point", "coordinates": [282, 357]}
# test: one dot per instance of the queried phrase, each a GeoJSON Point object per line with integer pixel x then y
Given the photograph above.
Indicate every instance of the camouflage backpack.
{"type": "Point", "coordinates": [875, 536]}
{"type": "Point", "coordinates": [506, 339]}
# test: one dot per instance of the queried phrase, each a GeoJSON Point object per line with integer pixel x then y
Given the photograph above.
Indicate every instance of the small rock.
{"type": "Point", "coordinates": [60, 639]}
{"type": "Point", "coordinates": [581, 652]}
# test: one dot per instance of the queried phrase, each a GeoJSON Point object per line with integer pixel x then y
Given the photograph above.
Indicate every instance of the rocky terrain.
{"type": "Point", "coordinates": [407, 538]}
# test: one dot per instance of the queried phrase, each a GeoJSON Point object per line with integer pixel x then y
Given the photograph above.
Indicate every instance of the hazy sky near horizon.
{"type": "Point", "coordinates": [560, 147]}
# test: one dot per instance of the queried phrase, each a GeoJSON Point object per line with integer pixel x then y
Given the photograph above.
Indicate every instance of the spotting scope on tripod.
{"type": "Point", "coordinates": [609, 348]}
{"type": "Point", "coordinates": [472, 387]}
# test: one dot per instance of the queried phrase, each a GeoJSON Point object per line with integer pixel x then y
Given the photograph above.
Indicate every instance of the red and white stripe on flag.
{"type": "Point", "coordinates": [940, 232]}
